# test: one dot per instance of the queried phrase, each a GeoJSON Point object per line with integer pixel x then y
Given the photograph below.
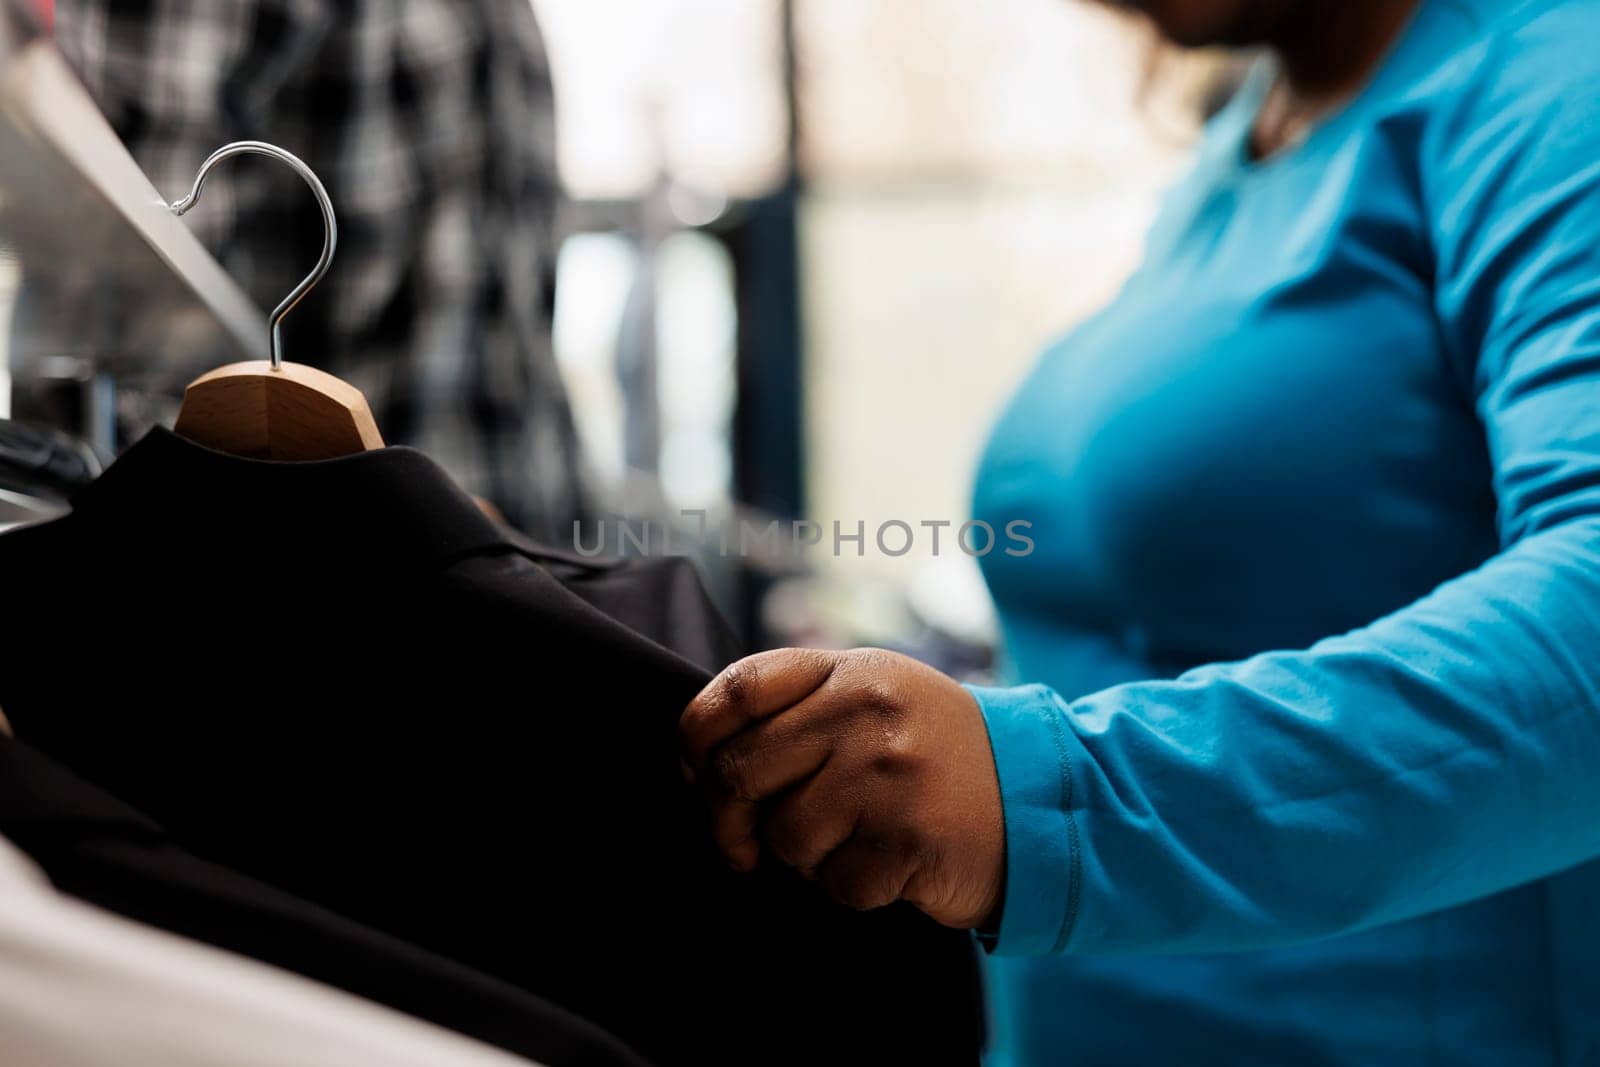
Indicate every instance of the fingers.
{"type": "Point", "coordinates": [868, 871]}
{"type": "Point", "coordinates": [753, 689]}
{"type": "Point", "coordinates": [863, 770]}
{"type": "Point", "coordinates": [806, 826]}
{"type": "Point", "coordinates": [763, 761]}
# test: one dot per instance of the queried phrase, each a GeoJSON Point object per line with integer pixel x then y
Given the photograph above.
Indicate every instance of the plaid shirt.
{"type": "Point", "coordinates": [432, 124]}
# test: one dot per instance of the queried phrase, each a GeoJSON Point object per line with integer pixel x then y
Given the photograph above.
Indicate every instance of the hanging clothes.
{"type": "Point", "coordinates": [83, 988]}
{"type": "Point", "coordinates": [100, 850]}
{"type": "Point", "coordinates": [342, 679]}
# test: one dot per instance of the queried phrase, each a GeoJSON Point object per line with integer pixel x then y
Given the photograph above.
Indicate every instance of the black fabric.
{"type": "Point", "coordinates": [342, 679]}
{"type": "Point", "coordinates": [94, 847]}
{"type": "Point", "coordinates": [662, 599]}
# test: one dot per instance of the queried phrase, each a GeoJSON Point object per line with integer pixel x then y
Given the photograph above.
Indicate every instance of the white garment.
{"type": "Point", "coordinates": [80, 987]}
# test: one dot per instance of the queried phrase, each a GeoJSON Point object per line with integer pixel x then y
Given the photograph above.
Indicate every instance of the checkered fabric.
{"type": "Point", "coordinates": [432, 124]}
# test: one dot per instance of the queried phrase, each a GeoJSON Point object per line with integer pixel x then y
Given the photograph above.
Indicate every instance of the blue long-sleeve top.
{"type": "Point", "coordinates": [1303, 763]}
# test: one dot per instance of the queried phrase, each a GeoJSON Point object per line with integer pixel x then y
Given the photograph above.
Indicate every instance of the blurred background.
{"type": "Point", "coordinates": [801, 251]}
{"type": "Point", "coordinates": [811, 247]}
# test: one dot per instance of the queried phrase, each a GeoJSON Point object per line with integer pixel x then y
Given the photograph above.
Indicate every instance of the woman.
{"type": "Point", "coordinates": [1339, 438]}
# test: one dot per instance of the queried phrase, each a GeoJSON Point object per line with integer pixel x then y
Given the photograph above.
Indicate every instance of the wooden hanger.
{"type": "Point", "coordinates": [269, 409]}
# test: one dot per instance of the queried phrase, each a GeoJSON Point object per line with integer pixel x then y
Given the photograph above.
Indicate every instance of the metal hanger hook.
{"type": "Point", "coordinates": [330, 227]}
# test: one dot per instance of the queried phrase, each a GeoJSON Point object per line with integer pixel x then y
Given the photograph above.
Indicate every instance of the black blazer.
{"type": "Point", "coordinates": [341, 679]}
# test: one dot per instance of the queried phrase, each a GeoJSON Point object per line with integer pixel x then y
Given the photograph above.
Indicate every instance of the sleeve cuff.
{"type": "Point", "coordinates": [1042, 856]}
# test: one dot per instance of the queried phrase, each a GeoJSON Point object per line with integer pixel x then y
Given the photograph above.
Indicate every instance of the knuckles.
{"type": "Point", "coordinates": [790, 843]}
{"type": "Point", "coordinates": [735, 687]}
{"type": "Point", "coordinates": [879, 699]}
{"type": "Point", "coordinates": [731, 772]}
{"type": "Point", "coordinates": [896, 755]}
{"type": "Point", "coordinates": [697, 720]}
{"type": "Point", "coordinates": [874, 685]}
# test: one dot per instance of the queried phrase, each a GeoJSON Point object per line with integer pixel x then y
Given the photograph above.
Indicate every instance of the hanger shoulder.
{"type": "Point", "coordinates": [294, 413]}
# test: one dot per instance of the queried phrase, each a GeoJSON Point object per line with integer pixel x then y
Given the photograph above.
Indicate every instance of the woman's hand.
{"type": "Point", "coordinates": [865, 770]}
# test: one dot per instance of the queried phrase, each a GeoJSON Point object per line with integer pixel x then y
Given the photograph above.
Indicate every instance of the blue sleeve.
{"type": "Point", "coordinates": [1445, 752]}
